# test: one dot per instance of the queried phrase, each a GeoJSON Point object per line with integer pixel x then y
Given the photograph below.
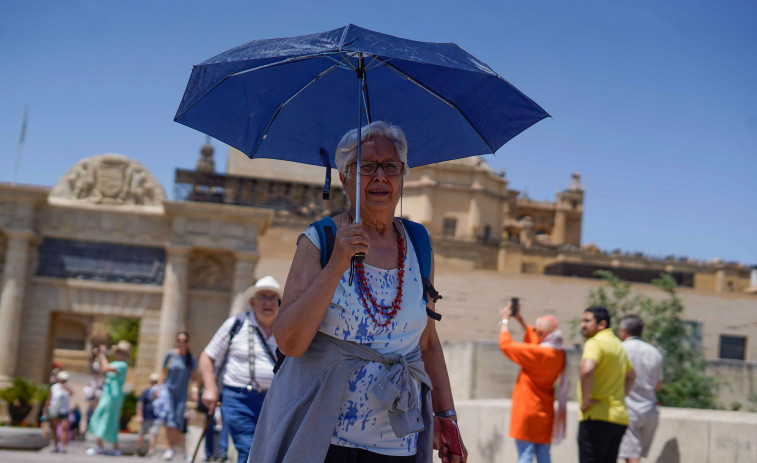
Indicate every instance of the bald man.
{"type": "Point", "coordinates": [542, 360]}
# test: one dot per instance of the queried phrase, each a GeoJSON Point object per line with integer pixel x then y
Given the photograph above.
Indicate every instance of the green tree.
{"type": "Point", "coordinates": [126, 329]}
{"type": "Point", "coordinates": [686, 383]}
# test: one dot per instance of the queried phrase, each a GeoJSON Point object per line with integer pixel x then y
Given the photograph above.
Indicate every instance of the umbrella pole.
{"type": "Point", "coordinates": [361, 83]}
{"type": "Point", "coordinates": [361, 79]}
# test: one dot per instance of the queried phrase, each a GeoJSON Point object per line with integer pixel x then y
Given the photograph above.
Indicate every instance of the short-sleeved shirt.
{"type": "Point", "coordinates": [180, 368]}
{"type": "Point", "coordinates": [609, 378]}
{"type": "Point", "coordinates": [647, 364]}
{"type": "Point", "coordinates": [146, 398]}
{"type": "Point", "coordinates": [363, 421]}
{"type": "Point", "coordinates": [237, 370]}
{"type": "Point", "coordinates": [59, 399]}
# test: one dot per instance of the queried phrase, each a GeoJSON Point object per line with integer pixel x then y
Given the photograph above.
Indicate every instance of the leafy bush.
{"type": "Point", "coordinates": [128, 409]}
{"type": "Point", "coordinates": [124, 329]}
{"type": "Point", "coordinates": [21, 395]}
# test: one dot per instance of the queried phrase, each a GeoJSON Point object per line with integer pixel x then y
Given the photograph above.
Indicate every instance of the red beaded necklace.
{"type": "Point", "coordinates": [374, 309]}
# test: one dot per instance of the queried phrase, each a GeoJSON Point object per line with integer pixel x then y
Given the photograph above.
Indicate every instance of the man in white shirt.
{"type": "Point", "coordinates": [245, 351]}
{"type": "Point", "coordinates": [641, 403]}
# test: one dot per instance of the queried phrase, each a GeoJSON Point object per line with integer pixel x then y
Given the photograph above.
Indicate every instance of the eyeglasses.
{"type": "Point", "coordinates": [391, 168]}
{"type": "Point", "coordinates": [267, 297]}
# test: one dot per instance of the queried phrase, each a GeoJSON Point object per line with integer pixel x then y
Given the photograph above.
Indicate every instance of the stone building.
{"type": "Point", "coordinates": [466, 200]}
{"type": "Point", "coordinates": [104, 242]}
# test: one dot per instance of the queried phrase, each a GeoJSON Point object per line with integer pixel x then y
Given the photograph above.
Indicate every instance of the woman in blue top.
{"type": "Point", "coordinates": [106, 419]}
{"type": "Point", "coordinates": [378, 303]}
{"type": "Point", "coordinates": [179, 367]}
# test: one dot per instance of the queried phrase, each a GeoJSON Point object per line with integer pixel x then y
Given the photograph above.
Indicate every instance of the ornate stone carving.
{"type": "Point", "coordinates": [210, 271]}
{"type": "Point", "coordinates": [110, 179]}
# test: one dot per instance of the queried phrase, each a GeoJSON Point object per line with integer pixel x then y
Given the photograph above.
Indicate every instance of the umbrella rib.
{"type": "Point", "coordinates": [440, 97]}
{"type": "Point", "coordinates": [341, 63]}
{"type": "Point", "coordinates": [346, 59]}
{"type": "Point", "coordinates": [281, 106]}
{"type": "Point", "coordinates": [277, 63]}
{"type": "Point", "coordinates": [284, 61]}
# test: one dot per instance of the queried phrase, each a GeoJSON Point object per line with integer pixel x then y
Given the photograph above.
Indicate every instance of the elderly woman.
{"type": "Point", "coordinates": [362, 352]}
{"type": "Point", "coordinates": [106, 419]}
{"type": "Point", "coordinates": [533, 423]}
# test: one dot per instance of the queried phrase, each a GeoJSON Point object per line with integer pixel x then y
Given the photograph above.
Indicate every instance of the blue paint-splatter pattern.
{"type": "Point", "coordinates": [363, 422]}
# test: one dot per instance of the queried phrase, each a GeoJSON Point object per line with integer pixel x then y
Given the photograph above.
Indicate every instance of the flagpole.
{"type": "Point", "coordinates": [20, 143]}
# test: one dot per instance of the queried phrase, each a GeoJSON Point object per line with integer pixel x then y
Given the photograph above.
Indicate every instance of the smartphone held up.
{"type": "Point", "coordinates": [514, 306]}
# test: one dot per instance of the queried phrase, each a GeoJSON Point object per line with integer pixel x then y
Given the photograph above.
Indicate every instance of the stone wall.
{"type": "Point", "coordinates": [479, 370]}
{"type": "Point", "coordinates": [683, 435]}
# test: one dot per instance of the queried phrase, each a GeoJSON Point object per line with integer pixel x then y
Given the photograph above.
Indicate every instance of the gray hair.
{"type": "Point", "coordinates": [633, 324]}
{"type": "Point", "coordinates": [346, 151]}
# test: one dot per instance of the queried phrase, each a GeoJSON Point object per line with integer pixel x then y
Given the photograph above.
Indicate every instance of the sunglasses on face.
{"type": "Point", "coordinates": [391, 168]}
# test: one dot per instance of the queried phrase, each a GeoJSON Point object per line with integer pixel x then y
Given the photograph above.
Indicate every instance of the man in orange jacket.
{"type": "Point", "coordinates": [532, 419]}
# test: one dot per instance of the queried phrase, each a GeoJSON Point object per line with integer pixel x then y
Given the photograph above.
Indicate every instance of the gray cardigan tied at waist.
{"type": "Point", "coordinates": [302, 406]}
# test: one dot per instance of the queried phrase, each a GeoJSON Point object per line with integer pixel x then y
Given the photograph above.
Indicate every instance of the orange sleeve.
{"type": "Point", "coordinates": [525, 355]}
{"type": "Point", "coordinates": [530, 337]}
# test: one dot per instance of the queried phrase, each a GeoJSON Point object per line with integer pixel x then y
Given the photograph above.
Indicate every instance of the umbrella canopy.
{"type": "Point", "coordinates": [294, 98]}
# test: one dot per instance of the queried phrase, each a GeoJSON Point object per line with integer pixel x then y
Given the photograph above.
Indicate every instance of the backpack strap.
{"type": "Point", "coordinates": [422, 244]}
{"type": "Point", "coordinates": [235, 327]}
{"type": "Point", "coordinates": [326, 229]}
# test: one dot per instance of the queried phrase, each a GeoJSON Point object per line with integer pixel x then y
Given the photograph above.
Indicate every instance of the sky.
{"type": "Point", "coordinates": [653, 103]}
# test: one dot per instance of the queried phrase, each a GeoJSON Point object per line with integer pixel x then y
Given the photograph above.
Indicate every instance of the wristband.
{"type": "Point", "coordinates": [446, 414]}
{"type": "Point", "coordinates": [504, 321]}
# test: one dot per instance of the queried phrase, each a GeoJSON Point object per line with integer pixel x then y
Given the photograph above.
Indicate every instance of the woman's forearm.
{"type": "Point", "coordinates": [436, 368]}
{"type": "Point", "coordinates": [104, 365]}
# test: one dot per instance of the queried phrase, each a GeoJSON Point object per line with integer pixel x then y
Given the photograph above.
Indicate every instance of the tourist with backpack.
{"type": "Point", "coordinates": [363, 352]}
{"type": "Point", "coordinates": [241, 357]}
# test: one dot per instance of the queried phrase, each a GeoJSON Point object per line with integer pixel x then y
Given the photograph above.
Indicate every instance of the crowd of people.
{"type": "Point", "coordinates": [344, 364]}
{"type": "Point", "coordinates": [618, 380]}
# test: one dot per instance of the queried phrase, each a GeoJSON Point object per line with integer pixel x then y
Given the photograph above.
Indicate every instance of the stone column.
{"type": "Point", "coordinates": [173, 309]}
{"type": "Point", "coordinates": [559, 231]}
{"type": "Point", "coordinates": [244, 277]}
{"type": "Point", "coordinates": [719, 280]}
{"type": "Point", "coordinates": [474, 216]}
{"type": "Point", "coordinates": [12, 299]}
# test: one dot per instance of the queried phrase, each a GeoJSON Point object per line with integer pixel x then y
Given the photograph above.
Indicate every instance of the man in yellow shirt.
{"type": "Point", "coordinates": [606, 377]}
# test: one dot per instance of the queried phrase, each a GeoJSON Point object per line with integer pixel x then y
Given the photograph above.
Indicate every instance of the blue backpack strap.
{"type": "Point", "coordinates": [422, 244]}
{"type": "Point", "coordinates": [326, 229]}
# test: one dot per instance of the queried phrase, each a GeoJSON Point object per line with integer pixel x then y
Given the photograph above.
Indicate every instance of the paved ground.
{"type": "Point", "coordinates": [75, 453]}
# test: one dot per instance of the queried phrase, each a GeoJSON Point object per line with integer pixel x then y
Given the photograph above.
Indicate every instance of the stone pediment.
{"type": "Point", "coordinates": [109, 179]}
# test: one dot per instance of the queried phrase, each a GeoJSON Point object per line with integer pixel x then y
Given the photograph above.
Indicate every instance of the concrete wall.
{"type": "Point", "coordinates": [683, 435]}
{"type": "Point", "coordinates": [479, 370]}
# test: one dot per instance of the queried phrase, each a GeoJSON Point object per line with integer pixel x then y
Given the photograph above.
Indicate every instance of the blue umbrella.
{"type": "Point", "coordinates": [293, 98]}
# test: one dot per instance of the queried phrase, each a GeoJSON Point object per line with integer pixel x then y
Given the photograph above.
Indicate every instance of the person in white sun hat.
{"type": "Point", "coordinates": [58, 407]}
{"type": "Point", "coordinates": [242, 355]}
